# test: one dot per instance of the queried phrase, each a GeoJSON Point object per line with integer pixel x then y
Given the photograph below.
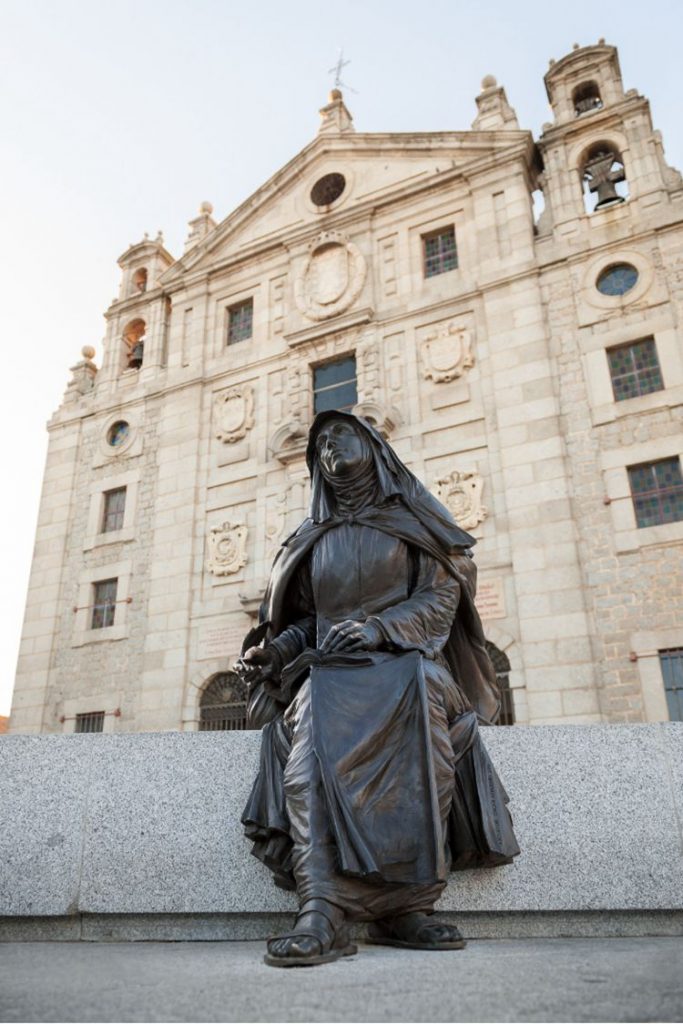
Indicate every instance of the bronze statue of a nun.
{"type": "Point", "coordinates": [369, 683]}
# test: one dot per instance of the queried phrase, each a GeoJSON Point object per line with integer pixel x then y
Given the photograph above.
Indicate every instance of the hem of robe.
{"type": "Point", "coordinates": [479, 834]}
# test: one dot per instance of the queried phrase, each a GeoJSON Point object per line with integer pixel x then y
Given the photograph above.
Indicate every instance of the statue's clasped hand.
{"type": "Point", "coordinates": [349, 636]}
{"type": "Point", "coordinates": [259, 665]}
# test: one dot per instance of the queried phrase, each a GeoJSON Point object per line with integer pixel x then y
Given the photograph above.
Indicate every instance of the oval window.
{"type": "Point", "coordinates": [617, 279]}
{"type": "Point", "coordinates": [118, 433]}
{"type": "Point", "coordinates": [327, 189]}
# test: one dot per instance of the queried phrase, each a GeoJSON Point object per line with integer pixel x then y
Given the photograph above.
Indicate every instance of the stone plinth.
{"type": "Point", "coordinates": [143, 826]}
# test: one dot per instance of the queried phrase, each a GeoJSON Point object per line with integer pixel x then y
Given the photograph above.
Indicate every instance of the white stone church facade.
{"type": "Point", "coordinates": [528, 368]}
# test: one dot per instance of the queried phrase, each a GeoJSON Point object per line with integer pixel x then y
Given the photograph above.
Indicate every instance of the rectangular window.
{"type": "Point", "coordinates": [113, 509]}
{"type": "Point", "coordinates": [90, 721]}
{"type": "Point", "coordinates": [334, 385]}
{"type": "Point", "coordinates": [240, 321]}
{"type": "Point", "coordinates": [104, 604]}
{"type": "Point", "coordinates": [440, 252]}
{"type": "Point", "coordinates": [671, 663]}
{"type": "Point", "coordinates": [634, 369]}
{"type": "Point", "coordinates": [657, 491]}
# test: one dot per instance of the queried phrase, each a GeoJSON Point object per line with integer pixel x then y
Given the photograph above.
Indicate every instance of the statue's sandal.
{"type": "Point", "coordinates": [410, 931]}
{"type": "Point", "coordinates": [339, 947]}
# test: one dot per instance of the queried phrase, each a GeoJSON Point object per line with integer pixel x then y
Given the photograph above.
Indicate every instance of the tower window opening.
{"type": "Point", "coordinates": [586, 98]}
{"type": "Point", "coordinates": [140, 280]}
{"type": "Point", "coordinates": [604, 174]}
{"type": "Point", "coordinates": [134, 344]}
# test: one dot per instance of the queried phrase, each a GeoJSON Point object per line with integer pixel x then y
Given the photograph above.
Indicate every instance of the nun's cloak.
{"type": "Point", "coordinates": [373, 780]}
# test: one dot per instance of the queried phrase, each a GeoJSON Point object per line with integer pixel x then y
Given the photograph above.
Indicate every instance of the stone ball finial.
{"type": "Point", "coordinates": [575, 46]}
{"type": "Point", "coordinates": [206, 208]}
{"type": "Point", "coordinates": [335, 94]}
{"type": "Point", "coordinates": [601, 41]}
{"type": "Point", "coordinates": [551, 61]}
{"type": "Point", "coordinates": [489, 82]}
{"type": "Point", "coordinates": [88, 352]}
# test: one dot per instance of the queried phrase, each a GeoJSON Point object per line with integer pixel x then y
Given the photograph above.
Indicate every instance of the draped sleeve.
{"type": "Point", "coordinates": [423, 621]}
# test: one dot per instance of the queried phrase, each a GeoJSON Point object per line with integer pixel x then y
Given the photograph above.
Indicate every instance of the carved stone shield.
{"type": "Point", "coordinates": [328, 275]}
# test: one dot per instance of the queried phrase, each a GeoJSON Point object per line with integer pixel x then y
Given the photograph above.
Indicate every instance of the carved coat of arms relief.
{"type": "Point", "coordinates": [226, 549]}
{"type": "Point", "coordinates": [461, 493]}
{"type": "Point", "coordinates": [331, 278]}
{"type": "Point", "coordinates": [446, 353]}
{"type": "Point", "coordinates": [234, 411]}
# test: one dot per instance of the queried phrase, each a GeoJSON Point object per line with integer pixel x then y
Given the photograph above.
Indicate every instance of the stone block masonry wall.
{"type": "Point", "coordinates": [104, 674]}
{"type": "Point", "coordinates": [636, 592]}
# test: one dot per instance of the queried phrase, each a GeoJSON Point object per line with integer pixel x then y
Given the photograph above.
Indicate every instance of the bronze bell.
{"type": "Point", "coordinates": [135, 358]}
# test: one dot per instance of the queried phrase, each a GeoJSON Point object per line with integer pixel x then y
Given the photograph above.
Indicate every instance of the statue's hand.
{"type": "Point", "coordinates": [260, 665]}
{"type": "Point", "coordinates": [350, 636]}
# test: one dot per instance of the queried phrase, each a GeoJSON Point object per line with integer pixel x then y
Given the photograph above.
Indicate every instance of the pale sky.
{"type": "Point", "coordinates": [121, 118]}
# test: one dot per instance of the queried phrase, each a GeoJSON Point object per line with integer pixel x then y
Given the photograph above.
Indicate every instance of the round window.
{"type": "Point", "coordinates": [118, 433]}
{"type": "Point", "coordinates": [617, 279]}
{"type": "Point", "coordinates": [327, 189]}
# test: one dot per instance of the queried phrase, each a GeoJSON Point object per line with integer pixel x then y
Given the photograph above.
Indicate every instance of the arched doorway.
{"type": "Point", "coordinates": [223, 703]}
{"type": "Point", "coordinates": [501, 664]}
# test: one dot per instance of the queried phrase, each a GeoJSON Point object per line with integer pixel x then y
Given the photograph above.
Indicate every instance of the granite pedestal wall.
{"type": "Point", "coordinates": [138, 836]}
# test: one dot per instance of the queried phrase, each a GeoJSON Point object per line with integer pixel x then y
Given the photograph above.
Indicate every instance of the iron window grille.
{"type": "Point", "coordinates": [671, 663]}
{"type": "Point", "coordinates": [634, 369]}
{"type": "Point", "coordinates": [113, 510]}
{"type": "Point", "coordinates": [90, 721]}
{"type": "Point", "coordinates": [104, 604]}
{"type": "Point", "coordinates": [657, 491]}
{"type": "Point", "coordinates": [240, 321]}
{"type": "Point", "coordinates": [223, 704]}
{"type": "Point", "coordinates": [440, 252]}
{"type": "Point", "coordinates": [334, 385]}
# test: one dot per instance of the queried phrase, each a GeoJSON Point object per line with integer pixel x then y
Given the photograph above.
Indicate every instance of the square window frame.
{"type": "Point", "coordinates": [628, 536]}
{"type": "Point", "coordinates": [94, 538]}
{"type": "Point", "coordinates": [436, 233]}
{"type": "Point", "coordinates": [338, 357]}
{"type": "Point", "coordinates": [82, 633]}
{"type": "Point", "coordinates": [230, 308]}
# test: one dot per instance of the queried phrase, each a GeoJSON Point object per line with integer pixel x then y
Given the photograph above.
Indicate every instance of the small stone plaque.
{"type": "Point", "coordinates": [220, 641]}
{"type": "Point", "coordinates": [490, 599]}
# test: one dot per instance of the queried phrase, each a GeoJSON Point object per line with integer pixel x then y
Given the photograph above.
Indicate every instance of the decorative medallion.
{"type": "Point", "coordinates": [461, 494]}
{"type": "Point", "coordinates": [226, 549]}
{"type": "Point", "coordinates": [331, 278]}
{"type": "Point", "coordinates": [234, 413]}
{"type": "Point", "coordinates": [446, 353]}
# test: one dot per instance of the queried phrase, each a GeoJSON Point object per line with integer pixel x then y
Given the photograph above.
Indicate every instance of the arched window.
{"type": "Point", "coordinates": [586, 97]}
{"type": "Point", "coordinates": [134, 344]}
{"type": "Point", "coordinates": [501, 664]}
{"type": "Point", "coordinates": [603, 173]}
{"type": "Point", "coordinates": [223, 703]}
{"type": "Point", "coordinates": [140, 280]}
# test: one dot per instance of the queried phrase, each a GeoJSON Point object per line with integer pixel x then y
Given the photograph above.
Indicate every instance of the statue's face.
{"type": "Point", "coordinates": [339, 447]}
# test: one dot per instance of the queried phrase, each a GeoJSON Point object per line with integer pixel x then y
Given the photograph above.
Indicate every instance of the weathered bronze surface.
{"type": "Point", "coordinates": [369, 675]}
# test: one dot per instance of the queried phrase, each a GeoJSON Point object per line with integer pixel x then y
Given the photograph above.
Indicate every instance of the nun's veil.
{"type": "Point", "coordinates": [395, 483]}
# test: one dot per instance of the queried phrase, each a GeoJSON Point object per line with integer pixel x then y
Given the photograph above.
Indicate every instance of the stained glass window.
{"type": "Point", "coordinates": [634, 369]}
{"type": "Point", "coordinates": [90, 721]}
{"type": "Point", "coordinates": [440, 252]}
{"type": "Point", "coordinates": [104, 604]}
{"type": "Point", "coordinates": [617, 279]}
{"type": "Point", "coordinates": [671, 663]}
{"type": "Point", "coordinates": [334, 385]}
{"type": "Point", "coordinates": [657, 491]}
{"type": "Point", "coordinates": [240, 321]}
{"type": "Point", "coordinates": [117, 433]}
{"type": "Point", "coordinates": [113, 510]}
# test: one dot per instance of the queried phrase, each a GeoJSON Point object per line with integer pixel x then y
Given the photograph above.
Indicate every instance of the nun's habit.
{"type": "Point", "coordinates": [373, 781]}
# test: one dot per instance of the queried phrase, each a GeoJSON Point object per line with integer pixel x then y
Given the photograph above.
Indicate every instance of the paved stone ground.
{"type": "Point", "coordinates": [496, 980]}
